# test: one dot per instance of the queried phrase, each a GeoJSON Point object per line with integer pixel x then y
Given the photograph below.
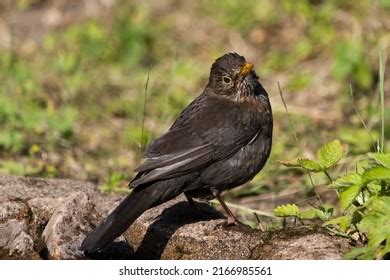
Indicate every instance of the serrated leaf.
{"type": "Point", "coordinates": [376, 224]}
{"type": "Point", "coordinates": [342, 221]}
{"type": "Point", "coordinates": [308, 214]}
{"type": "Point", "coordinates": [386, 248]}
{"type": "Point", "coordinates": [377, 173]}
{"type": "Point", "coordinates": [347, 180]}
{"type": "Point", "coordinates": [374, 187]}
{"type": "Point", "coordinates": [382, 159]}
{"type": "Point", "coordinates": [324, 214]}
{"type": "Point", "coordinates": [326, 207]}
{"type": "Point", "coordinates": [330, 154]}
{"type": "Point", "coordinates": [287, 210]}
{"type": "Point", "coordinates": [360, 253]}
{"type": "Point", "coordinates": [348, 196]}
{"type": "Point", "coordinates": [291, 163]}
{"type": "Point", "coordinates": [311, 165]}
{"type": "Point", "coordinates": [305, 163]}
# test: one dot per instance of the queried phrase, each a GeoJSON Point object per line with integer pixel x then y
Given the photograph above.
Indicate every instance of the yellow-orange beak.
{"type": "Point", "coordinates": [246, 69]}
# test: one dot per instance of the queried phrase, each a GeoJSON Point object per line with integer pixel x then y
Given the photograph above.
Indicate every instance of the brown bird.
{"type": "Point", "coordinates": [220, 141]}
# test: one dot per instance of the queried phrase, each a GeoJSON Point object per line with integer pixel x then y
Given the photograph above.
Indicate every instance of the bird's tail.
{"type": "Point", "coordinates": [137, 202]}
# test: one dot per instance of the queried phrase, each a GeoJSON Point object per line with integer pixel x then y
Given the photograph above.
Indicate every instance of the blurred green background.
{"type": "Point", "coordinates": [73, 79]}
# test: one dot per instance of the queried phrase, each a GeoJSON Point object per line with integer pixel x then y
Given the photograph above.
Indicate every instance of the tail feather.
{"type": "Point", "coordinates": [120, 219]}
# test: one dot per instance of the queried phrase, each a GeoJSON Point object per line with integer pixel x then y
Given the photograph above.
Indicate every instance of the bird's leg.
{"type": "Point", "coordinates": [231, 219]}
{"type": "Point", "coordinates": [194, 207]}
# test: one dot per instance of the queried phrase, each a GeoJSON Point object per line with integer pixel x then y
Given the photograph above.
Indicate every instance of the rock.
{"type": "Point", "coordinates": [41, 209]}
{"type": "Point", "coordinates": [13, 209]}
{"type": "Point", "coordinates": [303, 243]}
{"type": "Point", "coordinates": [174, 231]}
{"type": "Point", "coordinates": [27, 205]}
{"type": "Point", "coordinates": [68, 226]}
{"type": "Point", "coordinates": [27, 188]}
{"type": "Point", "coordinates": [15, 241]}
{"type": "Point", "coordinates": [74, 217]}
{"type": "Point", "coordinates": [49, 218]}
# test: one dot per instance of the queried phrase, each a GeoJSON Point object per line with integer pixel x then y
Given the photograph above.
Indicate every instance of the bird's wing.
{"type": "Point", "coordinates": [215, 129]}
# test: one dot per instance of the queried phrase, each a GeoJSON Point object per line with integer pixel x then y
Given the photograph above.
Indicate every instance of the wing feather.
{"type": "Point", "coordinates": [203, 138]}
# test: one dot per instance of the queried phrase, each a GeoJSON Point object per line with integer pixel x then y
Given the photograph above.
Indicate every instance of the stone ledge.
{"type": "Point", "coordinates": [49, 218]}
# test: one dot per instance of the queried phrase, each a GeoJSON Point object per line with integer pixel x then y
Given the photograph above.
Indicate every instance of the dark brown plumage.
{"type": "Point", "coordinates": [220, 141]}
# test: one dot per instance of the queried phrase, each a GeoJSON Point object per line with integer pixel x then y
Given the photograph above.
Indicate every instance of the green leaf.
{"type": "Point", "coordinates": [381, 159]}
{"type": "Point", "coordinates": [324, 212]}
{"type": "Point", "coordinates": [305, 163]}
{"type": "Point", "coordinates": [342, 221]}
{"type": "Point", "coordinates": [360, 253]}
{"type": "Point", "coordinates": [291, 163]}
{"type": "Point", "coordinates": [311, 165]}
{"type": "Point", "coordinates": [330, 154]}
{"type": "Point", "coordinates": [376, 224]}
{"type": "Point", "coordinates": [374, 187]}
{"type": "Point", "coordinates": [347, 180]}
{"type": "Point", "coordinates": [386, 248]}
{"type": "Point", "coordinates": [377, 173]}
{"type": "Point", "coordinates": [308, 214]}
{"type": "Point", "coordinates": [348, 196]}
{"type": "Point", "coordinates": [287, 210]}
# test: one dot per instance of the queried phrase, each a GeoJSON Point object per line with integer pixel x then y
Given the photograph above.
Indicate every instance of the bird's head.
{"type": "Point", "coordinates": [233, 76]}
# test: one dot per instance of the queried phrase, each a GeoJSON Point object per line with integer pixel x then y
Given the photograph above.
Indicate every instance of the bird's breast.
{"type": "Point", "coordinates": [248, 160]}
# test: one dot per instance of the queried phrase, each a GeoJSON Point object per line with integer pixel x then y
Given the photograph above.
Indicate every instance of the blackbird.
{"type": "Point", "coordinates": [220, 141]}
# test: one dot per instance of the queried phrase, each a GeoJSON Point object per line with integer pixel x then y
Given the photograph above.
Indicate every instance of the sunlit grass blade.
{"type": "Point", "coordinates": [382, 95]}
{"type": "Point", "coordinates": [288, 115]}
{"type": "Point", "coordinates": [142, 142]}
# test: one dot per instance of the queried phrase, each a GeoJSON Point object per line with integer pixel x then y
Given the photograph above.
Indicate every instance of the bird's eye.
{"type": "Point", "coordinates": [226, 80]}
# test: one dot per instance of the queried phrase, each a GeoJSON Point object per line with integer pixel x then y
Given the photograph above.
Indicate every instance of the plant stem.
{"type": "Point", "coordinates": [259, 222]}
{"type": "Point", "coordinates": [331, 181]}
{"type": "Point", "coordinates": [382, 94]}
{"type": "Point", "coordinates": [327, 175]}
{"type": "Point", "coordinates": [314, 187]}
